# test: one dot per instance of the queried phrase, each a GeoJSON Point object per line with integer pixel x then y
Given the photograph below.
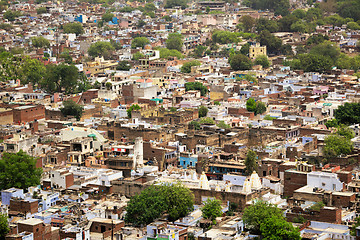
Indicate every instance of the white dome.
{"type": "Point", "coordinates": [204, 182]}
{"type": "Point", "coordinates": [247, 187]}
{"type": "Point", "coordinates": [255, 181]}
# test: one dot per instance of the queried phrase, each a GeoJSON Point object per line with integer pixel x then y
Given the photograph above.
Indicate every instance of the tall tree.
{"type": "Point", "coordinates": [240, 62]}
{"type": "Point", "coordinates": [76, 28]}
{"type": "Point", "coordinates": [174, 41]}
{"type": "Point", "coordinates": [4, 226]}
{"type": "Point", "coordinates": [18, 170]}
{"type": "Point", "coordinates": [203, 111]}
{"type": "Point", "coordinates": [60, 77]}
{"type": "Point", "coordinates": [212, 209]}
{"type": "Point", "coordinates": [99, 49]}
{"type": "Point", "coordinates": [71, 108]}
{"type": "Point", "coordinates": [40, 42]}
{"type": "Point", "coordinates": [250, 162]}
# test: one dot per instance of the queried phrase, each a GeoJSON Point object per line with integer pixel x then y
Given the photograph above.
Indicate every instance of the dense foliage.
{"type": "Point", "coordinates": [174, 41]}
{"type": "Point", "coordinates": [76, 28]}
{"type": "Point", "coordinates": [132, 108]}
{"type": "Point", "coordinates": [154, 201]}
{"type": "Point", "coordinates": [250, 162]}
{"type": "Point", "coordinates": [186, 67]}
{"type": "Point", "coordinates": [71, 108]}
{"type": "Point", "coordinates": [257, 107]}
{"type": "Point", "coordinates": [99, 49]}
{"type": "Point", "coordinates": [349, 113]}
{"type": "Point", "coordinates": [196, 86]}
{"type": "Point", "coordinates": [268, 221]}
{"type": "Point", "coordinates": [18, 170]}
{"type": "Point", "coordinates": [211, 209]}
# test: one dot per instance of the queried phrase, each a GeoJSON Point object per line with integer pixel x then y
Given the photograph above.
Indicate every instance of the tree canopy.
{"type": "Point", "coordinates": [257, 107]}
{"type": "Point", "coordinates": [132, 108]}
{"type": "Point", "coordinates": [18, 170]}
{"type": "Point", "coordinates": [203, 111]}
{"type": "Point", "coordinates": [240, 62]}
{"type": "Point", "coordinates": [174, 199]}
{"type": "Point", "coordinates": [71, 108]}
{"type": "Point", "coordinates": [349, 113]}
{"type": "Point", "coordinates": [103, 49]}
{"type": "Point", "coordinates": [4, 226]}
{"type": "Point", "coordinates": [250, 162]}
{"type": "Point", "coordinates": [212, 209]}
{"type": "Point", "coordinates": [196, 86]}
{"type": "Point", "coordinates": [60, 78]}
{"type": "Point", "coordinates": [139, 42]}
{"type": "Point", "coordinates": [76, 28]}
{"type": "Point", "coordinates": [186, 67]}
{"type": "Point", "coordinates": [267, 220]}
{"type": "Point", "coordinates": [40, 42]}
{"type": "Point", "coordinates": [174, 41]}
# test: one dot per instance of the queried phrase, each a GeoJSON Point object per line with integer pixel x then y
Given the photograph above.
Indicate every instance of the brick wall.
{"type": "Point", "coordinates": [23, 115]}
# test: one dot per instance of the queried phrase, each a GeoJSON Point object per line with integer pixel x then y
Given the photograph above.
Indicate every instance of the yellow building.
{"type": "Point", "coordinates": [257, 50]}
{"type": "Point", "coordinates": [99, 66]}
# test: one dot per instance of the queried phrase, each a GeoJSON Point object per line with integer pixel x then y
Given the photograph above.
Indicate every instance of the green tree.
{"type": "Point", "coordinates": [71, 108]}
{"type": "Point", "coordinates": [255, 215]}
{"type": "Point", "coordinates": [224, 37]}
{"type": "Point", "coordinates": [11, 15]}
{"type": "Point", "coordinates": [132, 108]}
{"type": "Point", "coordinates": [212, 209]}
{"type": "Point", "coordinates": [196, 86]}
{"type": "Point", "coordinates": [199, 51]}
{"type": "Point", "coordinates": [4, 226]}
{"type": "Point", "coordinates": [194, 125]}
{"type": "Point", "coordinates": [251, 105]}
{"type": "Point", "coordinates": [167, 53]}
{"type": "Point", "coordinates": [240, 62]}
{"type": "Point", "coordinates": [137, 56]}
{"type": "Point", "coordinates": [32, 71]}
{"type": "Point", "coordinates": [349, 113]}
{"type": "Point", "coordinates": [107, 17]}
{"type": "Point", "coordinates": [275, 228]}
{"type": "Point", "coordinates": [140, 23]}
{"type": "Point", "coordinates": [150, 7]}
{"type": "Point", "coordinates": [41, 10]}
{"type": "Point", "coordinates": [315, 63]}
{"type": "Point", "coordinates": [223, 125]}
{"type": "Point", "coordinates": [207, 120]}
{"type": "Point", "coordinates": [18, 170]}
{"type": "Point", "coordinates": [186, 67]}
{"type": "Point", "coordinates": [263, 61]}
{"type": "Point", "coordinates": [326, 49]}
{"type": "Point", "coordinates": [353, 228]}
{"type": "Point", "coordinates": [76, 28]}
{"type": "Point", "coordinates": [245, 49]}
{"type": "Point", "coordinates": [272, 43]}
{"type": "Point", "coordinates": [266, 24]}
{"type": "Point", "coordinates": [154, 201]}
{"type": "Point", "coordinates": [123, 66]}
{"type": "Point", "coordinates": [248, 22]}
{"type": "Point", "coordinates": [174, 41]}
{"type": "Point", "coordinates": [59, 78]}
{"type": "Point", "coordinates": [345, 131]}
{"type": "Point", "coordinates": [332, 123]}
{"type": "Point", "coordinates": [40, 42]}
{"type": "Point", "coordinates": [139, 42]}
{"type": "Point", "coordinates": [176, 3]}
{"type": "Point", "coordinates": [260, 108]}
{"type": "Point", "coordinates": [203, 111]}
{"type": "Point", "coordinates": [250, 162]}
{"type": "Point", "coordinates": [353, 26]}
{"type": "Point", "coordinates": [103, 49]}
{"type": "Point", "coordinates": [335, 145]}
{"type": "Point", "coordinates": [217, 103]}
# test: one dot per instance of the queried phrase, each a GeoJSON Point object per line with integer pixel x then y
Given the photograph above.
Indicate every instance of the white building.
{"type": "Point", "coordinates": [324, 180]}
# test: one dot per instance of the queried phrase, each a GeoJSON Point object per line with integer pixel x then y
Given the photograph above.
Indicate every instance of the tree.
{"type": "Point", "coordinates": [167, 53]}
{"type": "Point", "coordinates": [349, 113]}
{"type": "Point", "coordinates": [314, 63]}
{"type": "Point", "coordinates": [250, 162]}
{"type": "Point", "coordinates": [223, 125]}
{"type": "Point", "coordinates": [123, 66]}
{"type": "Point", "coordinates": [196, 86]}
{"type": "Point", "coordinates": [132, 108]}
{"type": "Point", "coordinates": [326, 49]}
{"type": "Point", "coordinates": [139, 42]}
{"type": "Point", "coordinates": [103, 49]}
{"type": "Point", "coordinates": [11, 15]}
{"type": "Point", "coordinates": [248, 22]}
{"type": "Point", "coordinates": [137, 56]}
{"type": "Point", "coordinates": [186, 67]}
{"type": "Point", "coordinates": [336, 145]}
{"type": "Point", "coordinates": [207, 120]}
{"type": "Point", "coordinates": [40, 42]}
{"type": "Point", "coordinates": [18, 170]}
{"type": "Point", "coordinates": [332, 123]}
{"type": "Point", "coordinates": [194, 125]}
{"type": "Point", "coordinates": [274, 228]}
{"type": "Point", "coordinates": [272, 43]}
{"type": "Point", "coordinates": [212, 209]}
{"type": "Point", "coordinates": [266, 24]}
{"type": "Point", "coordinates": [263, 61]}
{"type": "Point", "coordinates": [174, 199]}
{"type": "Point", "coordinates": [140, 23]}
{"type": "Point", "coordinates": [4, 226]}
{"type": "Point", "coordinates": [174, 41]}
{"type": "Point", "coordinates": [217, 103]}
{"type": "Point", "coordinates": [224, 37]}
{"type": "Point", "coordinates": [240, 62]}
{"type": "Point", "coordinates": [71, 108]}
{"type": "Point", "coordinates": [199, 51]}
{"type": "Point", "coordinates": [107, 17]}
{"type": "Point", "coordinates": [176, 3]}
{"type": "Point", "coordinates": [245, 49]}
{"type": "Point", "coordinates": [32, 71]}
{"type": "Point", "coordinates": [41, 10]}
{"type": "Point", "coordinates": [260, 108]}
{"type": "Point", "coordinates": [255, 215]}
{"type": "Point", "coordinates": [60, 77]}
{"type": "Point", "coordinates": [76, 28]}
{"type": "Point", "coordinates": [251, 105]}
{"type": "Point", "coordinates": [345, 131]}
{"type": "Point", "coordinates": [150, 7]}
{"type": "Point", "coordinates": [203, 111]}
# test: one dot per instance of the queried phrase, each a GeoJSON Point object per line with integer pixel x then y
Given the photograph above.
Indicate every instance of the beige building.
{"type": "Point", "coordinates": [256, 50]}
